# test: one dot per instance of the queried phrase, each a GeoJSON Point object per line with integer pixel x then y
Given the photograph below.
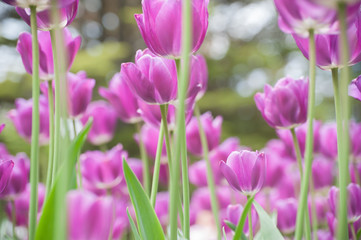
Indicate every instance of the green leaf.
{"type": "Point", "coordinates": [148, 223]}
{"type": "Point", "coordinates": [242, 221]}
{"type": "Point", "coordinates": [358, 234]}
{"type": "Point", "coordinates": [46, 226]}
{"type": "Point", "coordinates": [133, 227]}
{"type": "Point", "coordinates": [268, 228]}
{"type": "Point", "coordinates": [230, 225]}
{"type": "Point", "coordinates": [224, 233]}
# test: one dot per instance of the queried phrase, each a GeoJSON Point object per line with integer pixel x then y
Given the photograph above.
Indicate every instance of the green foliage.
{"type": "Point", "coordinates": [268, 228]}
{"type": "Point", "coordinates": [239, 230]}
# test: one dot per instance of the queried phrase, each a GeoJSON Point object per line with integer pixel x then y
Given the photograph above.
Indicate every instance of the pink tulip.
{"type": "Point", "coordinates": [6, 167]}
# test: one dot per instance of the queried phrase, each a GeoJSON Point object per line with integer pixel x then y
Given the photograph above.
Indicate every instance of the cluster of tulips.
{"type": "Point", "coordinates": [188, 184]}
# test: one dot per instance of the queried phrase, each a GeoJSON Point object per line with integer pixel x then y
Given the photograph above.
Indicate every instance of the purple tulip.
{"type": "Point", "coordinates": [275, 170]}
{"type": "Point", "coordinates": [18, 178]}
{"type": "Point", "coordinates": [122, 99]}
{"type": "Point", "coordinates": [234, 213]}
{"type": "Point", "coordinates": [198, 77]}
{"type": "Point", "coordinates": [162, 207]}
{"type": "Point", "coordinates": [198, 173]}
{"type": "Point", "coordinates": [285, 105]}
{"type": "Point", "coordinates": [6, 168]}
{"type": "Point", "coordinates": [354, 90]}
{"type": "Point", "coordinates": [212, 128]}
{"type": "Point", "coordinates": [221, 152]}
{"type": "Point", "coordinates": [286, 215]}
{"type": "Point", "coordinates": [4, 153]}
{"type": "Point", "coordinates": [328, 140]}
{"type": "Point", "coordinates": [353, 205]}
{"type": "Point", "coordinates": [89, 217]}
{"type": "Point", "coordinates": [161, 25]}
{"type": "Point", "coordinates": [67, 13]}
{"type": "Point", "coordinates": [104, 122]}
{"type": "Point", "coordinates": [121, 221]}
{"type": "Point", "coordinates": [245, 171]}
{"type": "Point", "coordinates": [328, 46]}
{"type": "Point", "coordinates": [22, 203]}
{"type": "Point", "coordinates": [322, 172]}
{"type": "Point", "coordinates": [149, 136]}
{"type": "Point", "coordinates": [334, 3]}
{"type": "Point", "coordinates": [137, 167]}
{"type": "Point", "coordinates": [40, 4]}
{"type": "Point", "coordinates": [152, 79]}
{"type": "Point", "coordinates": [321, 206]}
{"type": "Point", "coordinates": [103, 171]}
{"type": "Point", "coordinates": [46, 67]}
{"type": "Point", "coordinates": [22, 118]}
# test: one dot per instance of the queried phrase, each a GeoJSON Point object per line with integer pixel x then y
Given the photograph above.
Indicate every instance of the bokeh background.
{"type": "Point", "coordinates": [244, 49]}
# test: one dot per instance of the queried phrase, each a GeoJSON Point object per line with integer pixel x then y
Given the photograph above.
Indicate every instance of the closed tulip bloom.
{"type": "Point", "coordinates": [322, 172]}
{"type": "Point", "coordinates": [245, 171]}
{"type": "Point", "coordinates": [152, 79]}
{"type": "Point", "coordinates": [328, 46]}
{"type": "Point", "coordinates": [122, 99]}
{"type": "Point", "coordinates": [104, 122]}
{"type": "Point", "coordinates": [212, 128]}
{"type": "Point", "coordinates": [21, 117]}
{"type": "Point", "coordinates": [161, 25]}
{"type": "Point", "coordinates": [103, 171]}
{"type": "Point", "coordinates": [286, 215]}
{"type": "Point", "coordinates": [67, 13]}
{"type": "Point", "coordinates": [6, 168]}
{"type": "Point", "coordinates": [149, 136]}
{"type": "Point", "coordinates": [198, 77]}
{"type": "Point", "coordinates": [328, 140]}
{"type": "Point", "coordinates": [46, 68]}
{"type": "Point", "coordinates": [354, 90]}
{"type": "Point", "coordinates": [22, 203]}
{"type": "Point", "coordinates": [198, 173]}
{"type": "Point", "coordinates": [19, 177]}
{"type": "Point", "coordinates": [89, 217]}
{"type": "Point", "coordinates": [285, 105]}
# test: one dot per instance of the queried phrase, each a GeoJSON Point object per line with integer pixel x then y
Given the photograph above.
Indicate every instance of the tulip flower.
{"type": "Point", "coordinates": [285, 105]}
{"type": "Point", "coordinates": [104, 122]}
{"type": "Point", "coordinates": [234, 213]}
{"type": "Point", "coordinates": [245, 171]}
{"type": "Point", "coordinates": [161, 28]}
{"type": "Point", "coordinates": [286, 215]}
{"type": "Point", "coordinates": [334, 3]}
{"type": "Point", "coordinates": [198, 77]}
{"type": "Point", "coordinates": [161, 208]}
{"type": "Point", "coordinates": [122, 99]}
{"type": "Point", "coordinates": [354, 90]}
{"type": "Point", "coordinates": [89, 217]}
{"type": "Point", "coordinates": [322, 172]}
{"type": "Point", "coordinates": [46, 68]}
{"type": "Point", "coordinates": [22, 118]}
{"type": "Point", "coordinates": [19, 177]}
{"type": "Point", "coordinates": [328, 140]}
{"type": "Point", "coordinates": [328, 46]}
{"type": "Point", "coordinates": [6, 167]}
{"type": "Point", "coordinates": [149, 136]}
{"type": "Point", "coordinates": [212, 128]}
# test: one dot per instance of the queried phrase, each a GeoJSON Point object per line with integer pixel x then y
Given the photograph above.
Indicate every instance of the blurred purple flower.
{"type": "Point", "coordinates": [198, 77]}
{"type": "Point", "coordinates": [234, 213]}
{"type": "Point", "coordinates": [161, 22]}
{"type": "Point", "coordinates": [354, 90]}
{"type": "Point", "coordinates": [149, 136]}
{"type": "Point", "coordinates": [6, 168]}
{"type": "Point", "coordinates": [162, 208]}
{"type": "Point", "coordinates": [285, 105]}
{"type": "Point", "coordinates": [322, 172]}
{"type": "Point", "coordinates": [286, 215]}
{"type": "Point", "coordinates": [328, 140]}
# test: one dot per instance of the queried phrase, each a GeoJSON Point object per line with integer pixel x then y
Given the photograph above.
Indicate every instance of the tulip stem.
{"type": "Point", "coordinates": [49, 176]}
{"type": "Point", "coordinates": [164, 112]}
{"type": "Point", "coordinates": [354, 235]}
{"type": "Point", "coordinates": [342, 230]}
{"type": "Point", "coordinates": [157, 165]}
{"type": "Point", "coordinates": [34, 163]}
{"type": "Point", "coordinates": [143, 156]}
{"type": "Point", "coordinates": [298, 151]}
{"type": "Point", "coordinates": [210, 177]}
{"type": "Point", "coordinates": [80, 185]}
{"type": "Point", "coordinates": [309, 141]}
{"type": "Point", "coordinates": [13, 217]}
{"type": "Point", "coordinates": [179, 134]}
{"type": "Point", "coordinates": [250, 227]}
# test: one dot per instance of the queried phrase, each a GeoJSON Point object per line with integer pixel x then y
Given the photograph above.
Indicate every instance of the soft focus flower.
{"type": "Point", "coordinates": [198, 77]}
{"type": "Point", "coordinates": [276, 168]}
{"type": "Point", "coordinates": [40, 4]}
{"type": "Point", "coordinates": [353, 205]}
{"type": "Point", "coordinates": [161, 25]}
{"type": "Point", "coordinates": [285, 105]}
{"type": "Point", "coordinates": [328, 140]}
{"type": "Point", "coordinates": [245, 171]}
{"type": "Point", "coordinates": [67, 12]}
{"type": "Point", "coordinates": [121, 221]}
{"type": "Point", "coordinates": [212, 129]}
{"type": "Point", "coordinates": [322, 172]}
{"type": "Point", "coordinates": [104, 122]}
{"type": "Point", "coordinates": [153, 79]}
{"type": "Point", "coordinates": [89, 217]}
{"type": "Point", "coordinates": [22, 118]}
{"type": "Point", "coordinates": [234, 213]}
{"type": "Point", "coordinates": [103, 171]}
{"type": "Point", "coordinates": [149, 135]}
{"type": "Point", "coordinates": [328, 46]}
{"type": "Point", "coordinates": [286, 215]}
{"type": "Point", "coordinates": [302, 15]}
{"type": "Point", "coordinates": [162, 207]}
{"type": "Point", "coordinates": [22, 203]}
{"type": "Point", "coordinates": [18, 178]}
{"type": "Point", "coordinates": [198, 173]}
{"type": "Point", "coordinates": [354, 90]}
{"type": "Point", "coordinates": [46, 68]}
{"type": "Point", "coordinates": [6, 168]}
{"type": "Point", "coordinates": [355, 133]}
{"type": "Point", "coordinates": [334, 3]}
{"type": "Point", "coordinates": [122, 99]}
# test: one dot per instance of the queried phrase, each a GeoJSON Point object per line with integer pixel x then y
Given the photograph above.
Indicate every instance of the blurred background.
{"type": "Point", "coordinates": [244, 49]}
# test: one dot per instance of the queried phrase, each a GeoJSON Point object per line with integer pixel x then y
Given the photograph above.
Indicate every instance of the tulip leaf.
{"type": "Point", "coordinates": [224, 234]}
{"type": "Point", "coordinates": [230, 225]}
{"type": "Point", "coordinates": [133, 227]}
{"type": "Point", "coordinates": [46, 226]}
{"type": "Point", "coordinates": [268, 228]}
{"type": "Point", "coordinates": [242, 221]}
{"type": "Point", "coordinates": [148, 223]}
{"type": "Point", "coordinates": [358, 234]}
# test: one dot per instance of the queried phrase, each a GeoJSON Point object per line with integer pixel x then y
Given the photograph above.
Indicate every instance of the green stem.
{"type": "Point", "coordinates": [157, 166]}
{"type": "Point", "coordinates": [298, 151]}
{"type": "Point", "coordinates": [342, 232]}
{"type": "Point", "coordinates": [250, 227]}
{"type": "Point", "coordinates": [143, 155]}
{"type": "Point", "coordinates": [210, 177]}
{"type": "Point", "coordinates": [354, 235]}
{"type": "Point", "coordinates": [34, 163]}
{"type": "Point", "coordinates": [242, 220]}
{"type": "Point", "coordinates": [179, 135]}
{"type": "Point", "coordinates": [164, 112]}
{"type": "Point", "coordinates": [309, 139]}
{"type": "Point", "coordinates": [49, 176]}
{"type": "Point", "coordinates": [313, 211]}
{"type": "Point", "coordinates": [13, 217]}
{"type": "Point", "coordinates": [80, 185]}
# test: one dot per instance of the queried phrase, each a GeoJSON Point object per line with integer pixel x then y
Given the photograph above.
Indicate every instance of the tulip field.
{"type": "Point", "coordinates": [180, 178]}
